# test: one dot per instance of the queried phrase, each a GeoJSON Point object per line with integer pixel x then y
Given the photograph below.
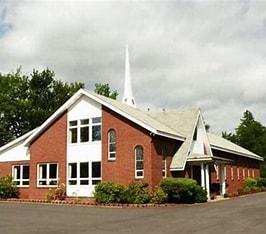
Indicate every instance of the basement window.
{"type": "Point", "coordinates": [21, 175]}
{"type": "Point", "coordinates": [47, 174]}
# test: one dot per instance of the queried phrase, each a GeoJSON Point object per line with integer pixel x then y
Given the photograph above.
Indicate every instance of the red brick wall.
{"type": "Point", "coordinates": [233, 184]}
{"type": "Point", "coordinates": [49, 147]}
{"type": "Point", "coordinates": [128, 136]}
{"type": "Point", "coordinates": [158, 143]}
{"type": "Point", "coordinates": [6, 169]}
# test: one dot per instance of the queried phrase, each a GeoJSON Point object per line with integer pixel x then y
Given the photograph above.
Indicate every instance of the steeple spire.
{"type": "Point", "coordinates": [128, 96]}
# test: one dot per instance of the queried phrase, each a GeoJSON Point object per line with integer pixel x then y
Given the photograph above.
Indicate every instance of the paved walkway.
{"type": "Point", "coordinates": [238, 215]}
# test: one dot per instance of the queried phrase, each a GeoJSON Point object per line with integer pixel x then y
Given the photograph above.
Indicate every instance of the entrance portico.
{"type": "Point", "coordinates": [200, 171]}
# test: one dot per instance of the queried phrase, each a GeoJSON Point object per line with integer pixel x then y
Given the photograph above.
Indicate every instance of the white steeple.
{"type": "Point", "coordinates": [128, 97]}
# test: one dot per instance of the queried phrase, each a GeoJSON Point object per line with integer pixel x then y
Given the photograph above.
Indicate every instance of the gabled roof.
{"type": "Point", "coordinates": [17, 141]}
{"type": "Point", "coordinates": [219, 143]}
{"type": "Point", "coordinates": [137, 116]}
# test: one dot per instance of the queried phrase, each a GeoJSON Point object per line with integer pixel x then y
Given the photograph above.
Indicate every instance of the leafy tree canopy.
{"type": "Point", "coordinates": [27, 101]}
{"type": "Point", "coordinates": [104, 90]}
{"type": "Point", "coordinates": [250, 134]}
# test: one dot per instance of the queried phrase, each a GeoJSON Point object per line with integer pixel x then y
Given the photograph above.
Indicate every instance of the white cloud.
{"type": "Point", "coordinates": [207, 54]}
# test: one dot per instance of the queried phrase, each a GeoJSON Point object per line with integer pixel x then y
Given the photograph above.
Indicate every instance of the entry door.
{"type": "Point", "coordinates": [82, 178]}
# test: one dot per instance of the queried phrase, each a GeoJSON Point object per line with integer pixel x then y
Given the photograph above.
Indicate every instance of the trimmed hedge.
{"type": "Point", "coordinates": [8, 188]}
{"type": "Point", "coordinates": [250, 182]}
{"type": "Point", "coordinates": [137, 193]}
{"type": "Point", "coordinates": [183, 190]}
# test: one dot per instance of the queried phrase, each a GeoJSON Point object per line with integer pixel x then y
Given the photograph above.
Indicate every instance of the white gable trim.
{"type": "Point", "coordinates": [75, 97]}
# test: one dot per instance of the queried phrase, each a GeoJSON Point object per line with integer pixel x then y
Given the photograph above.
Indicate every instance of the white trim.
{"type": "Point", "coordinates": [135, 159]}
{"type": "Point", "coordinates": [238, 173]}
{"type": "Point", "coordinates": [75, 97]}
{"type": "Point", "coordinates": [232, 172]}
{"type": "Point", "coordinates": [21, 180]}
{"type": "Point", "coordinates": [47, 179]}
{"type": "Point", "coordinates": [237, 153]}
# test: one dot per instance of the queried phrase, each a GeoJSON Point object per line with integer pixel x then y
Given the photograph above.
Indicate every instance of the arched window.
{"type": "Point", "coordinates": [112, 144]}
{"type": "Point", "coordinates": [139, 162]}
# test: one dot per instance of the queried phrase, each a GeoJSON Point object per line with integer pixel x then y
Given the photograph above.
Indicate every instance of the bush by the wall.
{"type": "Point", "coordinates": [250, 182]}
{"type": "Point", "coordinates": [8, 188]}
{"type": "Point", "coordinates": [109, 192]}
{"type": "Point", "coordinates": [159, 196]}
{"type": "Point", "coordinates": [58, 193]}
{"type": "Point", "coordinates": [137, 193]}
{"type": "Point", "coordinates": [261, 182]}
{"type": "Point", "coordinates": [183, 190]}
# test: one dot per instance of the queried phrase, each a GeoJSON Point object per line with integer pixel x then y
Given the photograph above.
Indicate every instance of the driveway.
{"type": "Point", "coordinates": [238, 215]}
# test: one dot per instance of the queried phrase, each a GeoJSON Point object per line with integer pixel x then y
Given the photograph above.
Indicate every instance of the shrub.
{"type": "Point", "coordinates": [8, 188]}
{"type": "Point", "coordinates": [199, 194]}
{"type": "Point", "coordinates": [261, 182]}
{"type": "Point", "coordinates": [183, 190]}
{"type": "Point", "coordinates": [137, 193]}
{"type": "Point", "coordinates": [159, 196]}
{"type": "Point", "coordinates": [250, 182]}
{"type": "Point", "coordinates": [58, 193]}
{"type": "Point", "coordinates": [245, 190]}
{"type": "Point", "coordinates": [109, 192]}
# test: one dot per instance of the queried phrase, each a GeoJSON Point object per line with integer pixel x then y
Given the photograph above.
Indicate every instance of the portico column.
{"type": "Point", "coordinates": [207, 181]}
{"type": "Point", "coordinates": [202, 176]}
{"type": "Point", "coordinates": [222, 180]}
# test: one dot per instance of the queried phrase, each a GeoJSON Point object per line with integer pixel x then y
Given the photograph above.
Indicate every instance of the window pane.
{"type": "Point", "coordinates": [53, 171]}
{"type": "Point", "coordinates": [16, 172]}
{"type": "Point", "coordinates": [84, 134]}
{"type": "Point", "coordinates": [112, 155]}
{"type": "Point", "coordinates": [26, 172]}
{"type": "Point", "coordinates": [72, 182]}
{"type": "Point", "coordinates": [42, 171]}
{"type": "Point", "coordinates": [139, 153]}
{"type": "Point", "coordinates": [96, 120]}
{"type": "Point", "coordinates": [139, 173]}
{"type": "Point", "coordinates": [112, 136]}
{"type": "Point", "coordinates": [84, 182]}
{"type": "Point", "coordinates": [25, 183]}
{"type": "Point", "coordinates": [139, 165]}
{"type": "Point", "coordinates": [96, 133]}
{"type": "Point", "coordinates": [73, 123]}
{"type": "Point", "coordinates": [72, 170]}
{"type": "Point", "coordinates": [73, 135]}
{"type": "Point", "coordinates": [96, 169]}
{"type": "Point", "coordinates": [112, 147]}
{"type": "Point", "coordinates": [54, 182]}
{"type": "Point", "coordinates": [84, 121]}
{"type": "Point", "coordinates": [84, 170]}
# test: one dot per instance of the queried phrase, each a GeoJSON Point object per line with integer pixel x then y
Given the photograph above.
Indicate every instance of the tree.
{"type": "Point", "coordinates": [27, 101]}
{"type": "Point", "coordinates": [104, 90]}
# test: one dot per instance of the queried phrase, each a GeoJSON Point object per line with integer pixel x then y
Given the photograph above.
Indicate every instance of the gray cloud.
{"type": "Point", "coordinates": [207, 54]}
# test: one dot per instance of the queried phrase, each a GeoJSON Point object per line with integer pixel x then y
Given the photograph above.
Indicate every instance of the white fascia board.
{"type": "Point", "coordinates": [59, 111]}
{"type": "Point", "coordinates": [237, 153]}
{"type": "Point", "coordinates": [172, 136]}
{"type": "Point", "coordinates": [14, 142]}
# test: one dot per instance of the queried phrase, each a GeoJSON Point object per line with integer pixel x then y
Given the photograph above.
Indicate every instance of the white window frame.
{"type": "Point", "coordinates": [244, 172]}
{"type": "Point", "coordinates": [248, 173]}
{"type": "Point", "coordinates": [47, 179]}
{"type": "Point", "coordinates": [238, 173]}
{"type": "Point", "coordinates": [225, 174]}
{"type": "Point", "coordinates": [232, 173]}
{"type": "Point", "coordinates": [21, 180]}
{"type": "Point", "coordinates": [79, 179]}
{"type": "Point", "coordinates": [96, 124]}
{"type": "Point", "coordinates": [253, 173]}
{"type": "Point", "coordinates": [135, 157]}
{"type": "Point", "coordinates": [113, 143]}
{"type": "Point", "coordinates": [79, 126]}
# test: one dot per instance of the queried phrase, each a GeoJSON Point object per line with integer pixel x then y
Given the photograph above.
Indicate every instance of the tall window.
{"type": "Point", "coordinates": [139, 162]}
{"type": "Point", "coordinates": [85, 130]}
{"type": "Point", "coordinates": [164, 162]}
{"type": "Point", "coordinates": [96, 129]}
{"type": "Point", "coordinates": [21, 175]}
{"type": "Point", "coordinates": [112, 144]}
{"type": "Point", "coordinates": [47, 174]}
{"type": "Point", "coordinates": [73, 131]}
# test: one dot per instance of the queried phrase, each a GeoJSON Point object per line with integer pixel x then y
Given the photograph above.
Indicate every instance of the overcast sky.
{"type": "Point", "coordinates": [205, 54]}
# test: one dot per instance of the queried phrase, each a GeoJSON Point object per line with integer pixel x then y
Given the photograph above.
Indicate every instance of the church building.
{"type": "Point", "coordinates": [92, 138]}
